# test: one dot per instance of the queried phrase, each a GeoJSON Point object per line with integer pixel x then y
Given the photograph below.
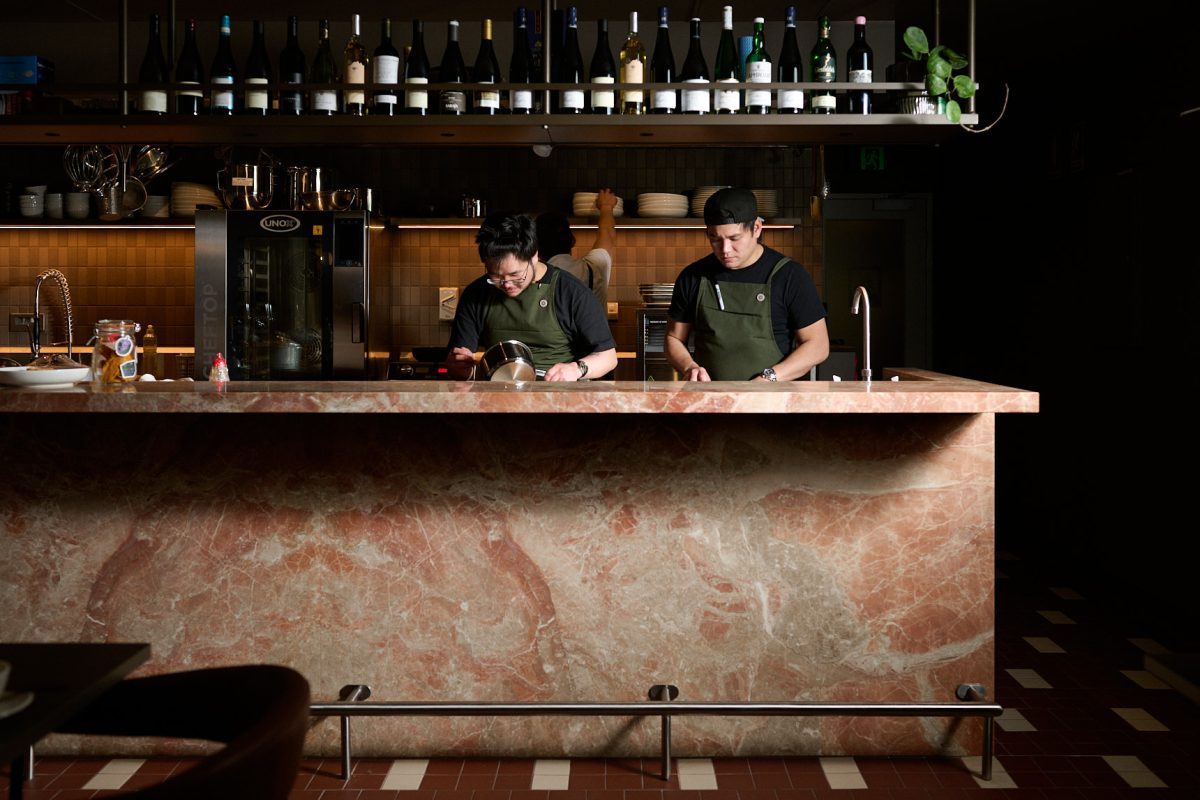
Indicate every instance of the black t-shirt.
{"type": "Point", "coordinates": [795, 303]}
{"type": "Point", "coordinates": [578, 312]}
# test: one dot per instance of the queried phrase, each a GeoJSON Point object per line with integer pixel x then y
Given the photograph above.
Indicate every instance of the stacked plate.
{"type": "Point", "coordinates": [768, 202]}
{"type": "Point", "coordinates": [662, 204]}
{"type": "Point", "coordinates": [700, 196]}
{"type": "Point", "coordinates": [656, 294]}
{"type": "Point", "coordinates": [584, 205]}
{"type": "Point", "coordinates": [186, 196]}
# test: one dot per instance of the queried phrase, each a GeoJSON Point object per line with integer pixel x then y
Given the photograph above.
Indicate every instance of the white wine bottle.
{"type": "Point", "coordinates": [520, 67]}
{"type": "Point", "coordinates": [570, 67]}
{"type": "Point", "coordinates": [695, 72]}
{"type": "Point", "coordinates": [223, 73]}
{"type": "Point", "coordinates": [603, 72]}
{"type": "Point", "coordinates": [791, 69]}
{"type": "Point", "coordinates": [416, 73]}
{"type": "Point", "coordinates": [323, 100]}
{"type": "Point", "coordinates": [153, 70]}
{"type": "Point", "coordinates": [758, 70]}
{"type": "Point", "coordinates": [487, 70]}
{"type": "Point", "coordinates": [354, 70]}
{"type": "Point", "coordinates": [725, 68]}
{"type": "Point", "coordinates": [633, 69]}
{"type": "Point", "coordinates": [662, 69]}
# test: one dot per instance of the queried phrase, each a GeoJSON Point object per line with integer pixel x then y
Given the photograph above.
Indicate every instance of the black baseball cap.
{"type": "Point", "coordinates": [730, 205]}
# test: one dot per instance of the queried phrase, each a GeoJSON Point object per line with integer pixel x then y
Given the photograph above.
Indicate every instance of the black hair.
{"type": "Point", "coordinates": [503, 234]}
{"type": "Point", "coordinates": [554, 235]}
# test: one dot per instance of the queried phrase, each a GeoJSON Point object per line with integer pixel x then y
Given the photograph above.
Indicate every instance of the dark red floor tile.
{"type": "Point", "coordinates": [509, 782]}
{"type": "Point", "coordinates": [450, 794]}
{"type": "Point", "coordinates": [440, 783]}
{"type": "Point", "coordinates": [644, 794]}
{"type": "Point", "coordinates": [795, 794]}
{"type": "Point", "coordinates": [622, 781]}
{"type": "Point", "coordinates": [588, 766]}
{"type": "Point", "coordinates": [591, 782]}
{"type": "Point", "coordinates": [737, 780]}
{"type": "Point", "coordinates": [340, 794]}
{"type": "Point", "coordinates": [476, 782]}
{"type": "Point", "coordinates": [602, 794]}
{"type": "Point", "coordinates": [444, 766]}
{"type": "Point", "coordinates": [480, 766]}
{"type": "Point", "coordinates": [518, 766]}
{"type": "Point", "coordinates": [371, 766]}
{"type": "Point", "coordinates": [730, 766]}
{"type": "Point", "coordinates": [380, 794]}
{"type": "Point", "coordinates": [491, 794]}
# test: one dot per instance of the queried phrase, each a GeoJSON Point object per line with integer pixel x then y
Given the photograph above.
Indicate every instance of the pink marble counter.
{"type": "Point", "coordinates": [919, 392]}
{"type": "Point", "coordinates": [755, 555]}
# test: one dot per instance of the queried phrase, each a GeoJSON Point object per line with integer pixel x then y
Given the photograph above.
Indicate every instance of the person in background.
{"type": "Point", "coordinates": [753, 313]}
{"type": "Point", "coordinates": [594, 269]}
{"type": "Point", "coordinates": [520, 297]}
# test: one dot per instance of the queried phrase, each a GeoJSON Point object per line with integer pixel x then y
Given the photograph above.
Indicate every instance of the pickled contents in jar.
{"type": "Point", "coordinates": [114, 359]}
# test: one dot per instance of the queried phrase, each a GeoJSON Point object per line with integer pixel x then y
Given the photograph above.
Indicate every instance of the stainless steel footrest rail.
{"type": "Point", "coordinates": [970, 696]}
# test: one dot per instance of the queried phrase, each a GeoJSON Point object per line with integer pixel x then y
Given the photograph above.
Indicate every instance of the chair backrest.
{"type": "Point", "coordinates": [259, 711]}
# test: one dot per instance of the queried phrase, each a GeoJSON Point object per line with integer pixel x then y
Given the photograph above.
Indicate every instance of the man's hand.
{"type": "Point", "coordinates": [606, 199]}
{"type": "Point", "coordinates": [566, 371]}
{"type": "Point", "coordinates": [696, 373]}
{"type": "Point", "coordinates": [460, 363]}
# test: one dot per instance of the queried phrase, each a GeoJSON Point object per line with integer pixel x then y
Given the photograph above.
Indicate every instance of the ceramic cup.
{"type": "Point", "coordinates": [54, 205]}
{"type": "Point", "coordinates": [40, 191]}
{"type": "Point", "coordinates": [31, 205]}
{"type": "Point", "coordinates": [79, 205]}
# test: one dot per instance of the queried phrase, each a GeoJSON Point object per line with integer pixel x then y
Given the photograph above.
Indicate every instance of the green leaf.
{"type": "Point", "coordinates": [957, 61]}
{"type": "Point", "coordinates": [964, 87]}
{"type": "Point", "coordinates": [938, 66]}
{"type": "Point", "coordinates": [935, 85]}
{"type": "Point", "coordinates": [953, 112]}
{"type": "Point", "coordinates": [917, 42]}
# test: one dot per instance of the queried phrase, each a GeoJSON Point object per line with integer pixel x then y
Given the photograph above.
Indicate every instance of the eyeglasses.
{"type": "Point", "coordinates": [510, 280]}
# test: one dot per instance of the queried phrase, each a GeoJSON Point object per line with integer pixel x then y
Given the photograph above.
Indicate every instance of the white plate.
{"type": "Point", "coordinates": [12, 702]}
{"type": "Point", "coordinates": [23, 376]}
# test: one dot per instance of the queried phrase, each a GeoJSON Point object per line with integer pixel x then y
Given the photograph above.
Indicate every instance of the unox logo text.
{"type": "Point", "coordinates": [279, 223]}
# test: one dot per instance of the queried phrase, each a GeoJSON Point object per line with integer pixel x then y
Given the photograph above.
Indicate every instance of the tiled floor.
{"type": "Point", "coordinates": [1083, 720]}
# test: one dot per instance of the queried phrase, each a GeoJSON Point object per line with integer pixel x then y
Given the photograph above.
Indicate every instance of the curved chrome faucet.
{"type": "Point", "coordinates": [861, 294]}
{"type": "Point", "coordinates": [35, 334]}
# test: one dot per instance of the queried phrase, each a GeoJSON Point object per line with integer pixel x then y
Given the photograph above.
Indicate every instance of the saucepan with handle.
{"type": "Point", "coordinates": [509, 361]}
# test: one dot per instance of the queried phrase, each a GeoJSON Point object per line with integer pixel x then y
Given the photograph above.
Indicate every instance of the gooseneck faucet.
{"type": "Point", "coordinates": [861, 294]}
{"type": "Point", "coordinates": [35, 334]}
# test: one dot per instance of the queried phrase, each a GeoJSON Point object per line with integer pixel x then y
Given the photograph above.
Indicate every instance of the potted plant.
{"type": "Point", "coordinates": [941, 84]}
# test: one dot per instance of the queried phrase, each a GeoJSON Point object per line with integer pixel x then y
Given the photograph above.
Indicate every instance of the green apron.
{"type": "Point", "coordinates": [736, 342]}
{"type": "Point", "coordinates": [529, 318]}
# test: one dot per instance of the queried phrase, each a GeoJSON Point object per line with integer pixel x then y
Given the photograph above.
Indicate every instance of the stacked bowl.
{"type": "Point", "coordinates": [700, 196]}
{"type": "Point", "coordinates": [768, 202]}
{"type": "Point", "coordinates": [656, 294]}
{"type": "Point", "coordinates": [662, 204]}
{"type": "Point", "coordinates": [584, 205]}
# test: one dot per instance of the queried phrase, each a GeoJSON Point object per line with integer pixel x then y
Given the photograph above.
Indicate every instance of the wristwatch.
{"type": "Point", "coordinates": [582, 368]}
{"type": "Point", "coordinates": [769, 374]}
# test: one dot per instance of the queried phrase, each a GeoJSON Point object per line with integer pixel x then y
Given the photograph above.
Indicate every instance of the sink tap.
{"type": "Point", "coordinates": [35, 333]}
{"type": "Point", "coordinates": [861, 294]}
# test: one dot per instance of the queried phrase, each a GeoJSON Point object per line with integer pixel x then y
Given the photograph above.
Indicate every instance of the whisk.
{"type": "Point", "coordinates": [84, 165]}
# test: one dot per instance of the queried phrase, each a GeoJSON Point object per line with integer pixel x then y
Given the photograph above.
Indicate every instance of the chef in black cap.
{"type": "Point", "coordinates": [751, 312]}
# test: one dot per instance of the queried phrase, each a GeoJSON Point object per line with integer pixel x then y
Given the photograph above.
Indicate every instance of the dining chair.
{"type": "Point", "coordinates": [259, 711]}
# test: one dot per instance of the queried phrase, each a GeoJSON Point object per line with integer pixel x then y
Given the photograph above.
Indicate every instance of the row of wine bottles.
{"type": "Point", "coordinates": [398, 84]}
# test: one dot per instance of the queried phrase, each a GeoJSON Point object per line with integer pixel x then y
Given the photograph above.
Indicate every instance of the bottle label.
{"type": "Point", "coordinates": [633, 72]}
{"type": "Point", "coordinates": [324, 101]}
{"type": "Point", "coordinates": [602, 99]}
{"type": "Point", "coordinates": [256, 99]}
{"type": "Point", "coordinates": [572, 99]}
{"type": "Point", "coordinates": [824, 102]}
{"type": "Point", "coordinates": [790, 99]}
{"type": "Point", "coordinates": [826, 72]}
{"type": "Point", "coordinates": [454, 102]}
{"type": "Point", "coordinates": [859, 75]}
{"type": "Point", "coordinates": [385, 99]}
{"type": "Point", "coordinates": [154, 101]}
{"type": "Point", "coordinates": [356, 72]}
{"type": "Point", "coordinates": [291, 102]}
{"type": "Point", "coordinates": [521, 99]}
{"type": "Point", "coordinates": [222, 99]}
{"type": "Point", "coordinates": [387, 69]}
{"type": "Point", "coordinates": [190, 92]}
{"type": "Point", "coordinates": [487, 99]}
{"type": "Point", "coordinates": [666, 100]}
{"type": "Point", "coordinates": [726, 100]}
{"type": "Point", "coordinates": [696, 102]}
{"type": "Point", "coordinates": [416, 98]}
{"type": "Point", "coordinates": [758, 72]}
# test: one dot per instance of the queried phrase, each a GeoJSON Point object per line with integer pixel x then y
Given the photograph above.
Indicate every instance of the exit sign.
{"type": "Point", "coordinates": [870, 159]}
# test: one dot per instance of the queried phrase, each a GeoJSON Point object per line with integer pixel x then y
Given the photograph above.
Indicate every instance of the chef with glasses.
{"type": "Point", "coordinates": [519, 297]}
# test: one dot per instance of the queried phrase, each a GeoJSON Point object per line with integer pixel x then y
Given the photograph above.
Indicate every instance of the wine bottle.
{"type": "Point", "coordinates": [758, 70]}
{"type": "Point", "coordinates": [325, 73]}
{"type": "Point", "coordinates": [570, 66]}
{"type": "Point", "coordinates": [153, 70]}
{"type": "Point", "coordinates": [291, 69]}
{"type": "Point", "coordinates": [791, 69]}
{"type": "Point", "coordinates": [694, 71]}
{"type": "Point", "coordinates": [386, 72]}
{"type": "Point", "coordinates": [354, 70]}
{"type": "Point", "coordinates": [416, 73]}
{"type": "Point", "coordinates": [520, 66]}
{"type": "Point", "coordinates": [725, 68]}
{"type": "Point", "coordinates": [859, 63]}
{"type": "Point", "coordinates": [662, 69]}
{"type": "Point", "coordinates": [822, 61]}
{"type": "Point", "coordinates": [452, 70]}
{"type": "Point", "coordinates": [258, 72]}
{"type": "Point", "coordinates": [487, 70]}
{"type": "Point", "coordinates": [189, 72]}
{"type": "Point", "coordinates": [603, 72]}
{"type": "Point", "coordinates": [633, 69]}
{"type": "Point", "coordinates": [223, 73]}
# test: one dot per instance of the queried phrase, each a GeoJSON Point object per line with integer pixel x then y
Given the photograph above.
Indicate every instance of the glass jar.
{"type": "Point", "coordinates": [114, 351]}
